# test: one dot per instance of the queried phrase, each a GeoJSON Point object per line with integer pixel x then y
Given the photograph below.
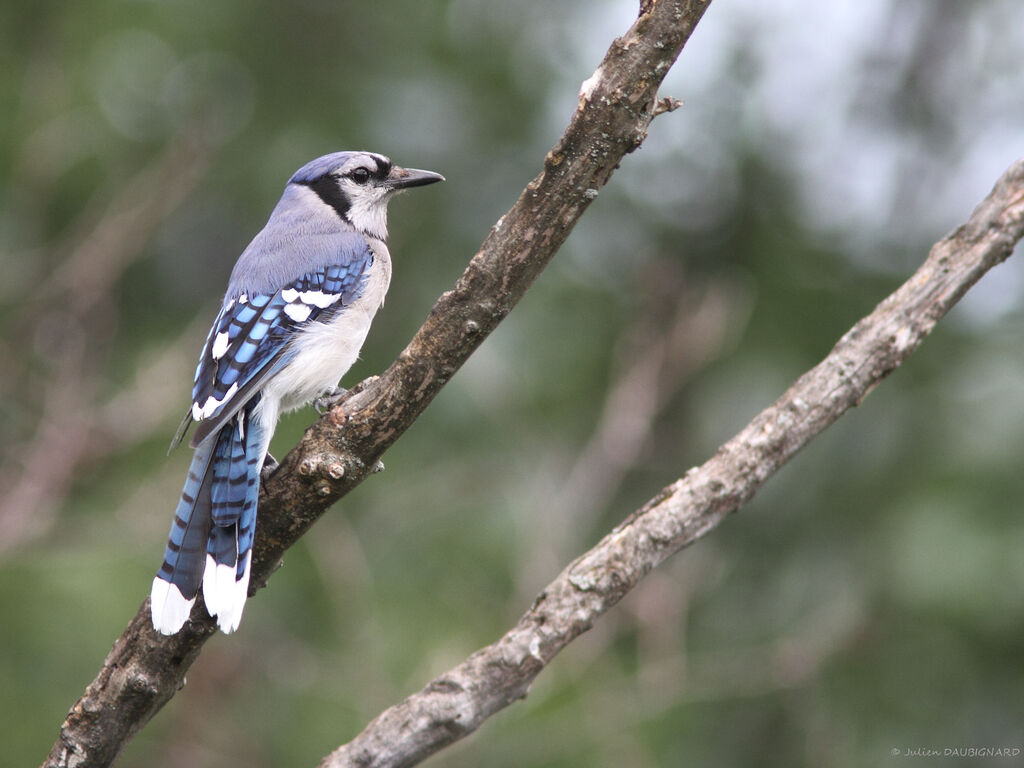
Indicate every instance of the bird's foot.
{"type": "Point", "coordinates": [270, 466]}
{"type": "Point", "coordinates": [329, 399]}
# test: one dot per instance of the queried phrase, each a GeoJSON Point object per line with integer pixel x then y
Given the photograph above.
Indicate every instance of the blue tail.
{"type": "Point", "coordinates": [216, 516]}
{"type": "Point", "coordinates": [234, 494]}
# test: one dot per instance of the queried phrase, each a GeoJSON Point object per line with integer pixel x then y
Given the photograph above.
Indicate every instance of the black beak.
{"type": "Point", "coordinates": [403, 178]}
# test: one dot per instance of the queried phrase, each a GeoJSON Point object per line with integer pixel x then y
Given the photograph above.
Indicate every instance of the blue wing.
{"type": "Point", "coordinates": [249, 340]}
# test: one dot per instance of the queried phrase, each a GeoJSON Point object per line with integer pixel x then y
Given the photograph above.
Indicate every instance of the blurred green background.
{"type": "Point", "coordinates": [870, 599]}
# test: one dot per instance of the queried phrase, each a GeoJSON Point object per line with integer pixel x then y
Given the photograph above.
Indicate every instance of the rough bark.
{"type": "Point", "coordinates": [457, 703]}
{"type": "Point", "coordinates": [618, 102]}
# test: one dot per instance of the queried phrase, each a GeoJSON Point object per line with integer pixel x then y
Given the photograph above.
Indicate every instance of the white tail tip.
{"type": "Point", "coordinates": [224, 595]}
{"type": "Point", "coordinates": [168, 607]}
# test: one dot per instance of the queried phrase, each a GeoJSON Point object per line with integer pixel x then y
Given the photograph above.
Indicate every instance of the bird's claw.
{"type": "Point", "coordinates": [270, 465]}
{"type": "Point", "coordinates": [328, 400]}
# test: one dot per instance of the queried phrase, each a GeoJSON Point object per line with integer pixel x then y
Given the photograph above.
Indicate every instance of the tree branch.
{"type": "Point", "coordinates": [617, 103]}
{"type": "Point", "coordinates": [457, 703]}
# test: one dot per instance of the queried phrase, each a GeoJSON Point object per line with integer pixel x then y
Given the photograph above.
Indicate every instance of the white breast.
{"type": "Point", "coordinates": [325, 351]}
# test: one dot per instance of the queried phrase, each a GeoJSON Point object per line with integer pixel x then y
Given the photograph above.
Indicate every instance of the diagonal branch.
{"type": "Point", "coordinates": [459, 701]}
{"type": "Point", "coordinates": [618, 102]}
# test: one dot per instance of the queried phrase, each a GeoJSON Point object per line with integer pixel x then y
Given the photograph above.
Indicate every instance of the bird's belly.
{"type": "Point", "coordinates": [324, 353]}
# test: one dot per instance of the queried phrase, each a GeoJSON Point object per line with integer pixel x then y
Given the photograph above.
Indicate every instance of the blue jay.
{"type": "Point", "coordinates": [297, 310]}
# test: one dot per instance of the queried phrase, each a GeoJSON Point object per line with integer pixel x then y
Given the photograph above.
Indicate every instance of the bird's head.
{"type": "Point", "coordinates": [358, 186]}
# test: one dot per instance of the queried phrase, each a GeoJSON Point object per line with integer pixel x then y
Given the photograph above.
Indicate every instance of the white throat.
{"type": "Point", "coordinates": [368, 209]}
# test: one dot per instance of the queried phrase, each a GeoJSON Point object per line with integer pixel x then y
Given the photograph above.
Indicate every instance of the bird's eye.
{"type": "Point", "coordinates": [360, 175]}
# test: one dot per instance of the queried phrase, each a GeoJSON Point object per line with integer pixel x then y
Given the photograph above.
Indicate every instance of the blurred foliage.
{"type": "Point", "coordinates": [870, 598]}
